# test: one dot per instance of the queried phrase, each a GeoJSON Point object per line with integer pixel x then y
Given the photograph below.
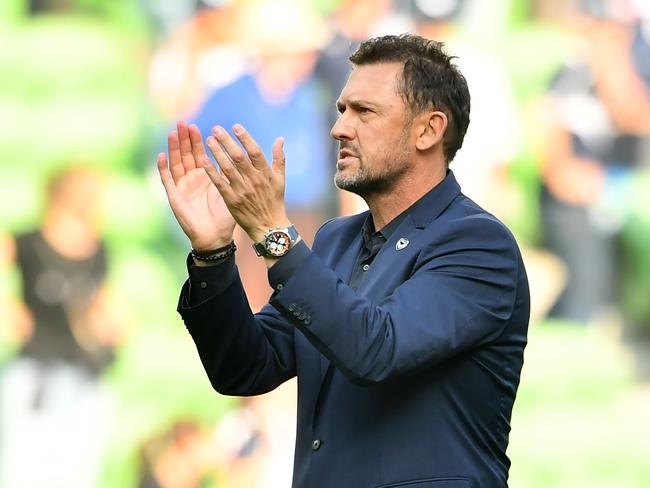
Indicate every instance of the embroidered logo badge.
{"type": "Point", "coordinates": [401, 244]}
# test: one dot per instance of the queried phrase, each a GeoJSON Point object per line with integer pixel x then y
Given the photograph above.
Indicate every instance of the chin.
{"type": "Point", "coordinates": [352, 185]}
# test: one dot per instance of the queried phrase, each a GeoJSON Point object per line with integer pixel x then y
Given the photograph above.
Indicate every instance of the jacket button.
{"type": "Point", "coordinates": [315, 445]}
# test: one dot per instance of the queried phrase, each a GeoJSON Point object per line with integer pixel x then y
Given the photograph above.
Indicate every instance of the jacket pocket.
{"type": "Point", "coordinates": [449, 482]}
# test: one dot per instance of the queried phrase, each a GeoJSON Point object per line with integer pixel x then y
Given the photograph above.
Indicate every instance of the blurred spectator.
{"type": "Point", "coordinates": [597, 123]}
{"type": "Point", "coordinates": [251, 446]}
{"type": "Point", "coordinates": [200, 55]}
{"type": "Point", "coordinates": [279, 97]}
{"type": "Point", "coordinates": [182, 456]}
{"type": "Point", "coordinates": [55, 412]}
{"type": "Point", "coordinates": [494, 136]}
{"type": "Point", "coordinates": [351, 22]}
{"type": "Point", "coordinates": [255, 441]}
{"type": "Point", "coordinates": [44, 6]}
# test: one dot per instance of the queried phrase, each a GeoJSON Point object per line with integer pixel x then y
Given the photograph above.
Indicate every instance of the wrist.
{"type": "Point", "coordinates": [214, 256]}
{"type": "Point", "coordinates": [207, 247]}
{"type": "Point", "coordinates": [258, 233]}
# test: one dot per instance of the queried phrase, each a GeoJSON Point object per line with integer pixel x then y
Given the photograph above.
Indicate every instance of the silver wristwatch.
{"type": "Point", "coordinates": [277, 242]}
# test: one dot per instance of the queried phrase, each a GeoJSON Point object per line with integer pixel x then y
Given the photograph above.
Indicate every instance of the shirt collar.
{"type": "Point", "coordinates": [423, 210]}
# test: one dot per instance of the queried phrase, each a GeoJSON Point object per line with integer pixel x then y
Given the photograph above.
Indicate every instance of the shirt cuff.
{"type": "Point", "coordinates": [281, 271]}
{"type": "Point", "coordinates": [208, 281]}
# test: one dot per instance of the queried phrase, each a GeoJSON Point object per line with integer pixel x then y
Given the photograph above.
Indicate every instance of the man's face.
{"type": "Point", "coordinates": [372, 130]}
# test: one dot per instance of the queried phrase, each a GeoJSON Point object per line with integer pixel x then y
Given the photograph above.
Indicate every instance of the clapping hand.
{"type": "Point", "coordinates": [194, 200]}
{"type": "Point", "coordinates": [252, 190]}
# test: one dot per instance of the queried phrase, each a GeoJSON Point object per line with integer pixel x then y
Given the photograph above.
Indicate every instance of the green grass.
{"type": "Point", "coordinates": [580, 419]}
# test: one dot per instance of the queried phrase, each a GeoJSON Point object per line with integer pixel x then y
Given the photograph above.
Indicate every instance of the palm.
{"type": "Point", "coordinates": [195, 201]}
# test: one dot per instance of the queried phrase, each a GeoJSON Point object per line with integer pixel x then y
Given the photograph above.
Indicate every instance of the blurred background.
{"type": "Point", "coordinates": [100, 385]}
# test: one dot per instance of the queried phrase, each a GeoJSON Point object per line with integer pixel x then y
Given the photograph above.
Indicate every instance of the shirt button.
{"type": "Point", "coordinates": [204, 284]}
{"type": "Point", "coordinates": [315, 446]}
{"type": "Point", "coordinates": [279, 286]}
{"type": "Point", "coordinates": [366, 267]}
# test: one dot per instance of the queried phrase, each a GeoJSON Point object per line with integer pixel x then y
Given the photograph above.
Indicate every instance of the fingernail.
{"type": "Point", "coordinates": [238, 129]}
{"type": "Point", "coordinates": [210, 141]}
{"type": "Point", "coordinates": [218, 130]}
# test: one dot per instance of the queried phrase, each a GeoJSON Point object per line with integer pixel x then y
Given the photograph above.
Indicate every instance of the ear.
{"type": "Point", "coordinates": [431, 128]}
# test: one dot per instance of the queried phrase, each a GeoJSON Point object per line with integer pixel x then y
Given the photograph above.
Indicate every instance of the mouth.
{"type": "Point", "coordinates": [345, 156]}
{"type": "Point", "coordinates": [346, 153]}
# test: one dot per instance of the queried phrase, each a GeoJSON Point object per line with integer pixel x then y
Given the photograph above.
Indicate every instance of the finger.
{"type": "Point", "coordinates": [198, 149]}
{"type": "Point", "coordinates": [165, 174]}
{"type": "Point", "coordinates": [279, 159]}
{"type": "Point", "coordinates": [225, 164]}
{"type": "Point", "coordinates": [255, 153]}
{"type": "Point", "coordinates": [185, 144]}
{"type": "Point", "coordinates": [232, 149]}
{"type": "Point", "coordinates": [175, 162]}
{"type": "Point", "coordinates": [219, 180]}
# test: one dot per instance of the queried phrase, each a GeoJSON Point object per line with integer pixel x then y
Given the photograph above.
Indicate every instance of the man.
{"type": "Point", "coordinates": [404, 325]}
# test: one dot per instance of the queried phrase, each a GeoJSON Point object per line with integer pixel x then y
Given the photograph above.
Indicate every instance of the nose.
{"type": "Point", "coordinates": [342, 130]}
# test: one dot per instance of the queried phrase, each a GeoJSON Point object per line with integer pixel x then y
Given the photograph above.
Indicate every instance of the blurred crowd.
{"type": "Point", "coordinates": [558, 148]}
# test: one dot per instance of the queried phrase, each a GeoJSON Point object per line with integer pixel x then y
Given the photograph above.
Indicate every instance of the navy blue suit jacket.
{"type": "Point", "coordinates": [408, 381]}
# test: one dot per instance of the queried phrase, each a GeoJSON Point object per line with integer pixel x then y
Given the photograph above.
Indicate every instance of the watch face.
{"type": "Point", "coordinates": [278, 243]}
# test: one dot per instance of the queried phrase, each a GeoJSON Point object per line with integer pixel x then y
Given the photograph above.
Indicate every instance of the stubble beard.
{"type": "Point", "coordinates": [367, 182]}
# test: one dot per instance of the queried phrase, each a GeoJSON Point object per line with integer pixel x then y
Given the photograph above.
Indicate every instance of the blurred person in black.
{"type": "Point", "coordinates": [55, 412]}
{"type": "Point", "coordinates": [596, 122]}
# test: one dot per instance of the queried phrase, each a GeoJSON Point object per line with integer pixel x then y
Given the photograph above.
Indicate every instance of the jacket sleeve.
{"type": "Point", "coordinates": [460, 294]}
{"type": "Point", "coordinates": [243, 353]}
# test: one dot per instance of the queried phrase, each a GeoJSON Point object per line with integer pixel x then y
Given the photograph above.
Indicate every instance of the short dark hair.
{"type": "Point", "coordinates": [429, 80]}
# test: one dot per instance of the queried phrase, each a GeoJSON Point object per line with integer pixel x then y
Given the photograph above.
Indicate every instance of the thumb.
{"type": "Point", "coordinates": [279, 159]}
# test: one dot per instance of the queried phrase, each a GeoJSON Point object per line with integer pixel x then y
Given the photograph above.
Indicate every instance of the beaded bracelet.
{"type": "Point", "coordinates": [215, 254]}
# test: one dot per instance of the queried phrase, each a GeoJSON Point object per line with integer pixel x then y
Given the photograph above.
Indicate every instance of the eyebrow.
{"type": "Point", "coordinates": [356, 103]}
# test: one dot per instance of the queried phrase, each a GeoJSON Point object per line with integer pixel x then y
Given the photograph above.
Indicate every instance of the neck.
{"type": "Point", "coordinates": [384, 207]}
